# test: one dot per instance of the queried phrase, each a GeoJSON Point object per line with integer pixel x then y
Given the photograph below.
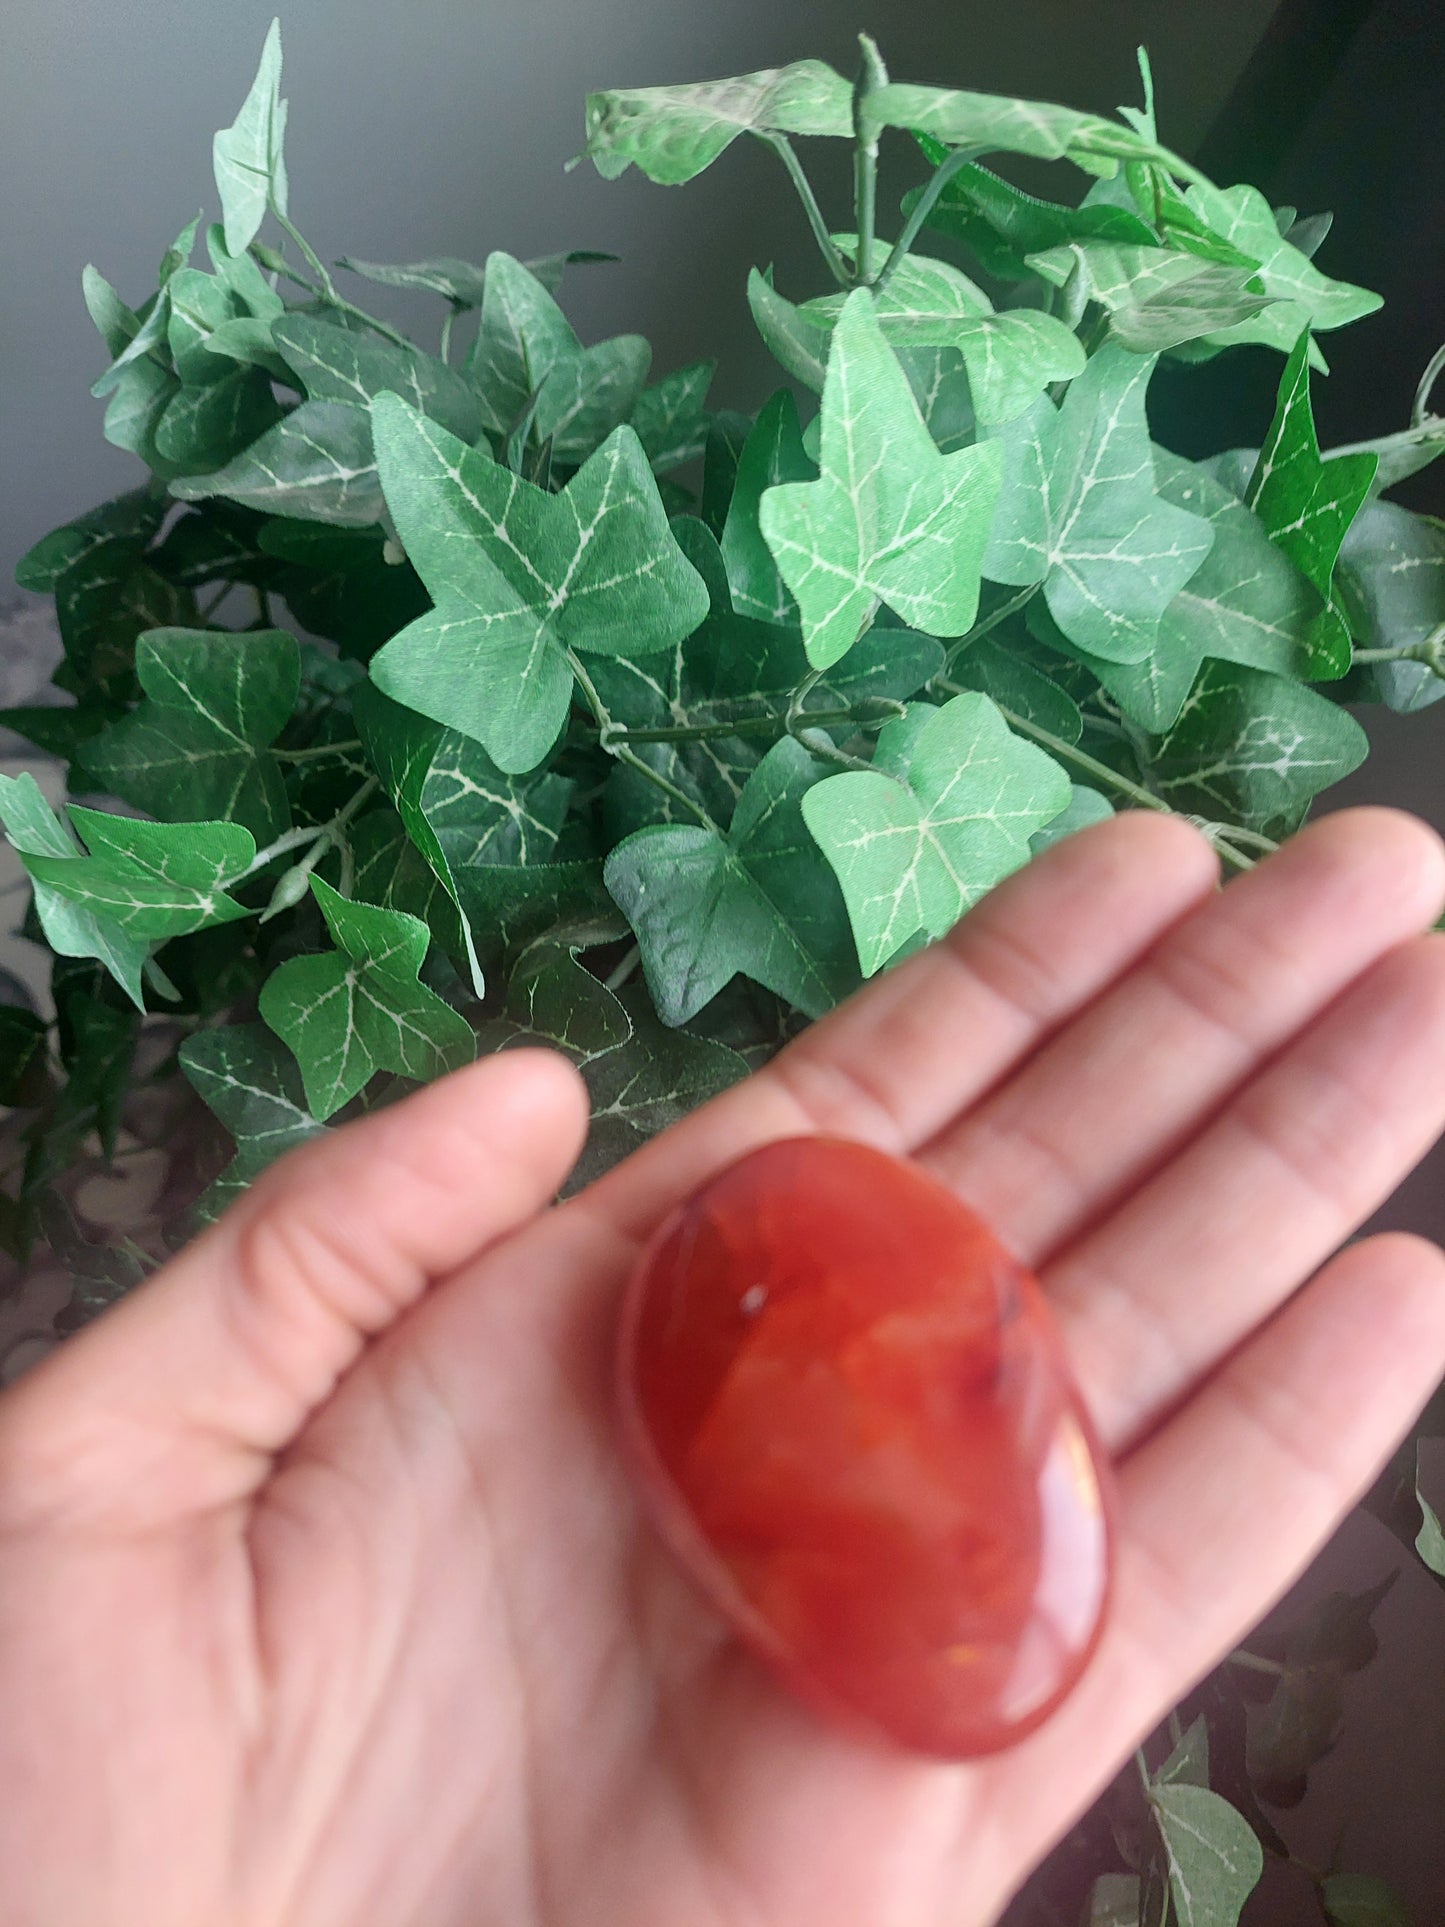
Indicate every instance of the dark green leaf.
{"type": "Point", "coordinates": [315, 464]}
{"type": "Point", "coordinates": [195, 748]}
{"type": "Point", "coordinates": [1359, 1900]}
{"type": "Point", "coordinates": [761, 900]}
{"type": "Point", "coordinates": [23, 1038]}
{"type": "Point", "coordinates": [1002, 224]}
{"type": "Point", "coordinates": [670, 418]}
{"type": "Point", "coordinates": [343, 365]}
{"type": "Point", "coordinates": [772, 453]}
{"type": "Point", "coordinates": [1254, 749]}
{"type": "Point", "coordinates": [250, 1081]}
{"type": "Point", "coordinates": [1115, 1901]}
{"type": "Point", "coordinates": [1308, 505]}
{"type": "Point", "coordinates": [156, 880]}
{"type": "Point", "coordinates": [338, 583]}
{"type": "Point", "coordinates": [1392, 580]}
{"type": "Point", "coordinates": [509, 905]}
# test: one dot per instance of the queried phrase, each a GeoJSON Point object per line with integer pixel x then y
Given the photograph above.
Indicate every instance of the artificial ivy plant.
{"type": "Point", "coordinates": [433, 697]}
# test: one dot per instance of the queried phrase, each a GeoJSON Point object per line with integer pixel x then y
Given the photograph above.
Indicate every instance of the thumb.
{"type": "Point", "coordinates": [177, 1400]}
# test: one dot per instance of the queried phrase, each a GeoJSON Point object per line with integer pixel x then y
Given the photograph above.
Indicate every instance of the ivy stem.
{"type": "Point", "coordinates": [783, 148]}
{"type": "Point", "coordinates": [990, 622]}
{"type": "Point", "coordinates": [616, 978]}
{"type": "Point", "coordinates": [317, 751]}
{"type": "Point", "coordinates": [611, 739]}
{"type": "Point", "coordinates": [327, 288]}
{"type": "Point", "coordinates": [1430, 650]}
{"type": "Point", "coordinates": [1433, 370]}
{"type": "Point", "coordinates": [207, 610]}
{"type": "Point", "coordinates": [449, 320]}
{"type": "Point", "coordinates": [872, 75]}
{"type": "Point", "coordinates": [1254, 1663]}
{"type": "Point", "coordinates": [1219, 834]}
{"type": "Point", "coordinates": [322, 836]}
{"type": "Point", "coordinates": [871, 714]}
{"type": "Point", "coordinates": [955, 163]}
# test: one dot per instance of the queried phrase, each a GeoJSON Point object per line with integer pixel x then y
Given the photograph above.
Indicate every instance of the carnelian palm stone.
{"type": "Point", "coordinates": [850, 1412]}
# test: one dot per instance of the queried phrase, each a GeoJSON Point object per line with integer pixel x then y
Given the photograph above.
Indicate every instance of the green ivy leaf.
{"type": "Point", "coordinates": [890, 519]}
{"type": "Point", "coordinates": [1007, 675]}
{"type": "Point", "coordinates": [521, 579]}
{"type": "Point", "coordinates": [996, 123]}
{"type": "Point", "coordinates": [250, 1081]}
{"type": "Point", "coordinates": [946, 811]}
{"type": "Point", "coordinates": [1392, 580]}
{"type": "Point", "coordinates": [155, 880]}
{"type": "Point", "coordinates": [1156, 298]}
{"type": "Point", "coordinates": [644, 1084]}
{"type": "Point", "coordinates": [1002, 225]}
{"type": "Point", "coordinates": [1301, 297]}
{"type": "Point", "coordinates": [772, 453]}
{"type": "Point", "coordinates": [196, 747]}
{"type": "Point", "coordinates": [315, 464]}
{"type": "Point", "coordinates": [1308, 505]}
{"type": "Point", "coordinates": [1085, 806]}
{"type": "Point", "coordinates": [250, 164]}
{"type": "Point", "coordinates": [1115, 1900]}
{"type": "Point", "coordinates": [1214, 1859]}
{"type": "Point", "coordinates": [1359, 1900]}
{"type": "Point", "coordinates": [760, 901]}
{"type": "Point", "coordinates": [509, 905]}
{"type": "Point", "coordinates": [338, 583]}
{"type": "Point", "coordinates": [799, 347]}
{"type": "Point", "coordinates": [342, 364]}
{"type": "Point", "coordinates": [463, 283]}
{"type": "Point", "coordinates": [734, 670]}
{"type": "Point", "coordinates": [1246, 603]}
{"type": "Point", "coordinates": [359, 1008]}
{"type": "Point", "coordinates": [1011, 358]}
{"type": "Point", "coordinates": [673, 133]}
{"type": "Point", "coordinates": [1079, 513]}
{"type": "Point", "coordinates": [1254, 749]}
{"type": "Point", "coordinates": [1430, 1539]}
{"type": "Point", "coordinates": [1188, 1764]}
{"type": "Point", "coordinates": [670, 418]}
{"type": "Point", "coordinates": [23, 1043]}
{"type": "Point", "coordinates": [526, 354]}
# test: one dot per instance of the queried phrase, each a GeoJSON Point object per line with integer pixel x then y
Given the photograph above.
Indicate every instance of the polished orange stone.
{"type": "Point", "coordinates": [849, 1409]}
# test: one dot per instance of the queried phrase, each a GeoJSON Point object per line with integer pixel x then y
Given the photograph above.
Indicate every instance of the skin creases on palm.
{"type": "Point", "coordinates": [325, 1596]}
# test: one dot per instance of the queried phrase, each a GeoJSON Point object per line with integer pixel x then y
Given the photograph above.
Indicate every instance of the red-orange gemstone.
{"type": "Point", "coordinates": [849, 1408]}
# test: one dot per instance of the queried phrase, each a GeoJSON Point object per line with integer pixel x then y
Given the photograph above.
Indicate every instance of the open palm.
{"type": "Point", "coordinates": [324, 1598]}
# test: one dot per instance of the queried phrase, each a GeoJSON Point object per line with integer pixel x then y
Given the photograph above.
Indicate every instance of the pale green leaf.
{"type": "Point", "coordinates": [996, 123]}
{"type": "Point", "coordinates": [1301, 297]}
{"type": "Point", "coordinates": [1157, 298]}
{"type": "Point", "coordinates": [1115, 1901]}
{"type": "Point", "coordinates": [673, 133]}
{"type": "Point", "coordinates": [248, 155]}
{"type": "Point", "coordinates": [1079, 513]}
{"type": "Point", "coordinates": [760, 901]}
{"type": "Point", "coordinates": [1214, 1859]}
{"type": "Point", "coordinates": [1430, 1539]}
{"type": "Point", "coordinates": [521, 579]}
{"type": "Point", "coordinates": [1359, 1900]}
{"type": "Point", "coordinates": [946, 811]}
{"type": "Point", "coordinates": [71, 929]}
{"type": "Point", "coordinates": [1085, 807]}
{"type": "Point", "coordinates": [799, 347]}
{"type": "Point", "coordinates": [359, 1008]}
{"type": "Point", "coordinates": [890, 519]}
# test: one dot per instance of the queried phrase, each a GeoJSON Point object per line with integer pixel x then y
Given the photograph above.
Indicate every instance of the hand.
{"type": "Point", "coordinates": [324, 1600]}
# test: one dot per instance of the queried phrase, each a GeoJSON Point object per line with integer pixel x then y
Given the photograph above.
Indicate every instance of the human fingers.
{"type": "Point", "coordinates": [1138, 1072]}
{"type": "Point", "coordinates": [912, 1049]}
{"type": "Point", "coordinates": [178, 1398]}
{"type": "Point", "coordinates": [1208, 1248]}
{"type": "Point", "coordinates": [1227, 1502]}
